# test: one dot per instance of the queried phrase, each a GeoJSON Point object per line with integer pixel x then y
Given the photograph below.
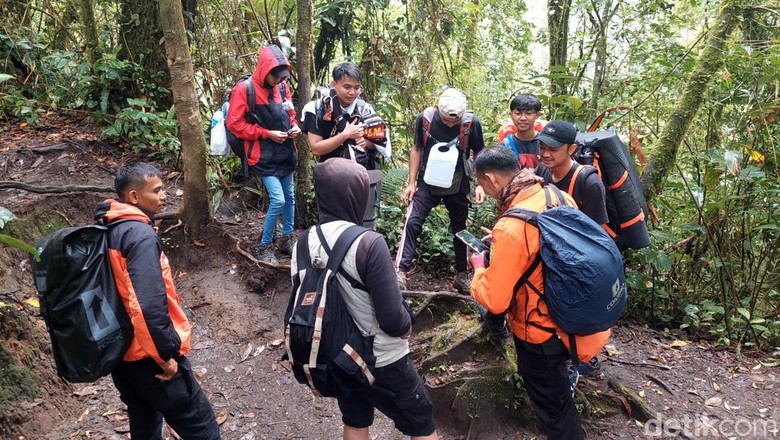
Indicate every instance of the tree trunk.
{"type": "Point", "coordinates": [304, 56]}
{"type": "Point", "coordinates": [663, 156]}
{"type": "Point", "coordinates": [558, 29]}
{"type": "Point", "coordinates": [90, 29]}
{"type": "Point", "coordinates": [140, 35]}
{"type": "Point", "coordinates": [195, 209]}
{"type": "Point", "coordinates": [600, 25]}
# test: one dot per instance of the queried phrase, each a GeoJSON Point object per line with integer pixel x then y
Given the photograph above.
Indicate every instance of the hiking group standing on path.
{"type": "Point", "coordinates": [342, 272]}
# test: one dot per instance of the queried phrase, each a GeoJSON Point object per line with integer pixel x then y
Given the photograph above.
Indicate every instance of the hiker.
{"type": "Point", "coordinates": [556, 146]}
{"type": "Point", "coordinates": [271, 154]}
{"type": "Point", "coordinates": [447, 122]}
{"type": "Point", "coordinates": [524, 110]}
{"type": "Point", "coordinates": [340, 124]}
{"type": "Point", "coordinates": [541, 355]}
{"type": "Point", "coordinates": [398, 390]}
{"type": "Point", "coordinates": [155, 378]}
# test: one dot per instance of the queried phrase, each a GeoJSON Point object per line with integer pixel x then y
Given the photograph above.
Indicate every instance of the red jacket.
{"type": "Point", "coordinates": [264, 156]}
{"type": "Point", "coordinates": [143, 279]}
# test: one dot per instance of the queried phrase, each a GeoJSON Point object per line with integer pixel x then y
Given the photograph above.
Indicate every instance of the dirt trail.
{"type": "Point", "coordinates": [236, 311]}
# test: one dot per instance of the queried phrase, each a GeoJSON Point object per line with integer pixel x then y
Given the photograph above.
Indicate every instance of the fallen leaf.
{"type": "Point", "coordinates": [249, 415]}
{"type": "Point", "coordinates": [713, 401]}
{"type": "Point", "coordinates": [198, 243]}
{"type": "Point", "coordinates": [200, 345]}
{"type": "Point", "coordinates": [179, 192]}
{"type": "Point", "coordinates": [82, 416]}
{"type": "Point", "coordinates": [37, 162]}
{"type": "Point", "coordinates": [33, 302]}
{"type": "Point", "coordinates": [89, 390]}
{"type": "Point", "coordinates": [31, 405]}
{"type": "Point", "coordinates": [221, 417]}
{"type": "Point", "coordinates": [23, 125]}
{"type": "Point", "coordinates": [678, 344]}
{"type": "Point", "coordinates": [230, 368]}
{"type": "Point", "coordinates": [258, 350]}
{"type": "Point", "coordinates": [715, 386]}
{"type": "Point", "coordinates": [246, 352]}
{"type": "Point", "coordinates": [122, 429]}
{"type": "Point", "coordinates": [729, 407]}
{"type": "Point", "coordinates": [276, 342]}
{"type": "Point", "coordinates": [611, 350]}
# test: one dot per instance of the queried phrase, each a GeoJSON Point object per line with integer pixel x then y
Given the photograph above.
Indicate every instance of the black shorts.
{"type": "Point", "coordinates": [399, 392]}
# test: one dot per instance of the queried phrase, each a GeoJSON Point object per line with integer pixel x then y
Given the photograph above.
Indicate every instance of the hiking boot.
{"type": "Point", "coordinates": [400, 277]}
{"type": "Point", "coordinates": [591, 368]}
{"type": "Point", "coordinates": [462, 283]}
{"type": "Point", "coordinates": [286, 244]}
{"type": "Point", "coordinates": [265, 253]}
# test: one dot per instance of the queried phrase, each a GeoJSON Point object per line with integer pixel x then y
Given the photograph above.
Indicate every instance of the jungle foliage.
{"type": "Point", "coordinates": [712, 267]}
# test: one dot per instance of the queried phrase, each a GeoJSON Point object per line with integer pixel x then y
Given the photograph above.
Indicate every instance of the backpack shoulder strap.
{"type": "Point", "coordinates": [302, 256]}
{"type": "Point", "coordinates": [511, 141]}
{"type": "Point", "coordinates": [465, 130]}
{"type": "Point", "coordinates": [340, 249]}
{"type": "Point", "coordinates": [550, 188]}
{"type": "Point", "coordinates": [250, 95]}
{"type": "Point", "coordinates": [524, 214]}
{"type": "Point", "coordinates": [577, 183]}
{"type": "Point", "coordinates": [427, 119]}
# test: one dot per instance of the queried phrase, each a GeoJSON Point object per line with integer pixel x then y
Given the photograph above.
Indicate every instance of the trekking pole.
{"type": "Point", "coordinates": [400, 252]}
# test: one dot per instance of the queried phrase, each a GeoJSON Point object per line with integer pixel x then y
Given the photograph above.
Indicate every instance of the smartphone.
{"type": "Point", "coordinates": [471, 241]}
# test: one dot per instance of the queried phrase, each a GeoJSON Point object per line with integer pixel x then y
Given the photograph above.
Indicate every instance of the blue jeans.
{"type": "Point", "coordinates": [281, 201]}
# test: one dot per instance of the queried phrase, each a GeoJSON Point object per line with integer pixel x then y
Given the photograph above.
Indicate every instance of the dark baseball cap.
{"type": "Point", "coordinates": [557, 133]}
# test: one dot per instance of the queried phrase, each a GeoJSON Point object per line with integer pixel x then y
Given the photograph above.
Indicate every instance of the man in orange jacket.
{"type": "Point", "coordinates": [155, 379]}
{"type": "Point", "coordinates": [541, 354]}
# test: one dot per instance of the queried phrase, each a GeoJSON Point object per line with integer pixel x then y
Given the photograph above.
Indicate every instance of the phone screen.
{"type": "Point", "coordinates": [471, 241]}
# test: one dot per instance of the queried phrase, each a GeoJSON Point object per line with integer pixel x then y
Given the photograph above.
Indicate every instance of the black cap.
{"type": "Point", "coordinates": [557, 133]}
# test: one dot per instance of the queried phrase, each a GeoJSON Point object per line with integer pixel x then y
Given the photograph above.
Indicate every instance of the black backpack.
{"type": "Point", "coordinates": [236, 144]}
{"type": "Point", "coordinates": [327, 350]}
{"type": "Point", "coordinates": [89, 327]}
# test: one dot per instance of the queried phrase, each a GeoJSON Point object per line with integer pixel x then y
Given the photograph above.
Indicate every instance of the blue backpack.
{"type": "Point", "coordinates": [584, 284]}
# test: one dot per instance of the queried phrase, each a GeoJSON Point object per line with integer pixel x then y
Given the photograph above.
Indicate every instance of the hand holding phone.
{"type": "Point", "coordinates": [476, 245]}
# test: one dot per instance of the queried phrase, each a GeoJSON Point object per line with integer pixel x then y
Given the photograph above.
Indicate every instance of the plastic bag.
{"type": "Point", "coordinates": [219, 143]}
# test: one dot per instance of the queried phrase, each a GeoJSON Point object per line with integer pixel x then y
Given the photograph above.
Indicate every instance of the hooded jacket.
{"type": "Point", "coordinates": [143, 279]}
{"type": "Point", "coordinates": [381, 305]}
{"type": "Point", "coordinates": [264, 156]}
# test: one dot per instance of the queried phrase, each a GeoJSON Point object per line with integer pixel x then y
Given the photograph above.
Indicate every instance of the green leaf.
{"type": "Point", "coordinates": [5, 77]}
{"type": "Point", "coordinates": [744, 312]}
{"type": "Point", "coordinates": [14, 242]}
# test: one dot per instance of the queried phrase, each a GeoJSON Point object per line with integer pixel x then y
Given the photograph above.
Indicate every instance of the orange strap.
{"type": "Point", "coordinates": [609, 230]}
{"type": "Point", "coordinates": [620, 182]}
{"type": "Point", "coordinates": [638, 218]}
{"type": "Point", "coordinates": [574, 180]}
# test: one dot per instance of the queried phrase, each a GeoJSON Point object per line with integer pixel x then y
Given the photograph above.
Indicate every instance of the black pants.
{"type": "Point", "coordinates": [458, 209]}
{"type": "Point", "coordinates": [546, 379]}
{"type": "Point", "coordinates": [181, 401]}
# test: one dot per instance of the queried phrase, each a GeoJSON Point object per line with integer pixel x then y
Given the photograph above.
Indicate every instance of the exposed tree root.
{"type": "Point", "coordinates": [435, 295]}
{"type": "Point", "coordinates": [640, 410]}
{"type": "Point", "coordinates": [640, 364]}
{"type": "Point", "coordinates": [252, 258]}
{"type": "Point", "coordinates": [6, 184]}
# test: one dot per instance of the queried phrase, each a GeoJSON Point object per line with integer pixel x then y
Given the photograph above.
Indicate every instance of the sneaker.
{"type": "Point", "coordinates": [265, 253]}
{"type": "Point", "coordinates": [400, 277]}
{"type": "Point", "coordinates": [286, 244]}
{"type": "Point", "coordinates": [462, 283]}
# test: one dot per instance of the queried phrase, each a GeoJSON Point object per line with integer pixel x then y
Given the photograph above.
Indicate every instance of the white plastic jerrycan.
{"type": "Point", "coordinates": [441, 164]}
